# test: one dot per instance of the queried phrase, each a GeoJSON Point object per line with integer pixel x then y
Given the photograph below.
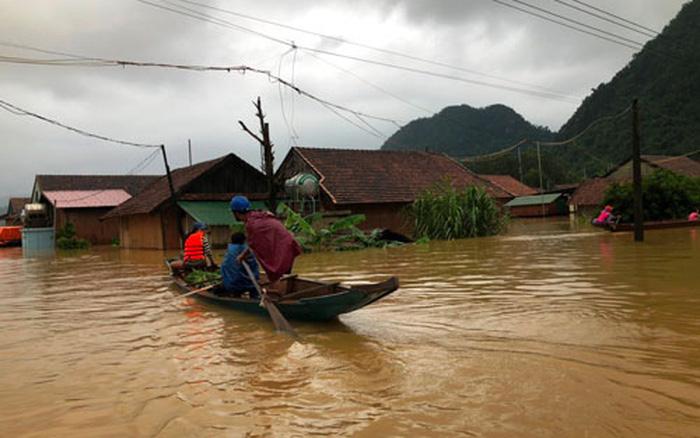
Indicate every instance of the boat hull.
{"type": "Point", "coordinates": [660, 225]}
{"type": "Point", "coordinates": [342, 299]}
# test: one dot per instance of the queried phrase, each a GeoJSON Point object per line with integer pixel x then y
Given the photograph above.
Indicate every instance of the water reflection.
{"type": "Point", "coordinates": [549, 330]}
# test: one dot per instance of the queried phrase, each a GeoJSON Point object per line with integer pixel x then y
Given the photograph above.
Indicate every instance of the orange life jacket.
{"type": "Point", "coordinates": [194, 247]}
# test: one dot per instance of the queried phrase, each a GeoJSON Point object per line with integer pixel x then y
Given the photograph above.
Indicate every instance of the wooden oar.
{"type": "Point", "coordinates": [281, 324]}
{"type": "Point", "coordinates": [196, 291]}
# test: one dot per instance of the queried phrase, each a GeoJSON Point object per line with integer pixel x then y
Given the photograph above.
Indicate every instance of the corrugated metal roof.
{"type": "Point", "coordinates": [86, 198]}
{"type": "Point", "coordinates": [533, 200]}
{"type": "Point", "coordinates": [213, 213]}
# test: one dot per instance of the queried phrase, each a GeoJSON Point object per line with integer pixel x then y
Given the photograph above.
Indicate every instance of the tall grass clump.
{"type": "Point", "coordinates": [444, 213]}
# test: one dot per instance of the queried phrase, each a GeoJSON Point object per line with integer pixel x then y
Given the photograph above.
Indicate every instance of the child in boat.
{"type": "Point", "coordinates": [605, 217]}
{"type": "Point", "coordinates": [694, 216]}
{"type": "Point", "coordinates": [233, 274]}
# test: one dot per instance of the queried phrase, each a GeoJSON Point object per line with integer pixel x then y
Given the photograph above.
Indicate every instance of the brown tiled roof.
{"type": "Point", "coordinates": [510, 185]}
{"type": "Point", "coordinates": [351, 176]}
{"type": "Point", "coordinates": [16, 205]}
{"type": "Point", "coordinates": [159, 192]}
{"type": "Point", "coordinates": [132, 184]}
{"type": "Point", "coordinates": [590, 192]}
{"type": "Point", "coordinates": [680, 165]}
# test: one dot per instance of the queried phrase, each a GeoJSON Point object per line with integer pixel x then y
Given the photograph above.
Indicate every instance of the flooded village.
{"type": "Point", "coordinates": [237, 272]}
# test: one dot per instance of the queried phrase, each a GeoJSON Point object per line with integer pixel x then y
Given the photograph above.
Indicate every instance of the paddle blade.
{"type": "Point", "coordinates": [280, 322]}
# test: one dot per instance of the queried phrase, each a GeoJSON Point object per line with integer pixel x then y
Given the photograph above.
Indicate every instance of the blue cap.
{"type": "Point", "coordinates": [240, 204]}
{"type": "Point", "coordinates": [200, 226]}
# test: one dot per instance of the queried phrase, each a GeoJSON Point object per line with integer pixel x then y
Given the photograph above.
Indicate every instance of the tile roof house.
{"type": "Point", "coordinates": [378, 183]}
{"type": "Point", "coordinates": [14, 210]}
{"type": "Point", "coordinates": [590, 193]}
{"type": "Point", "coordinates": [203, 192]}
{"type": "Point", "coordinates": [511, 185]}
{"type": "Point", "coordinates": [83, 199]}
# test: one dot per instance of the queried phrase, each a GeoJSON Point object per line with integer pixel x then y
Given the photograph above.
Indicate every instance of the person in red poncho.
{"type": "Point", "coordinates": [273, 245]}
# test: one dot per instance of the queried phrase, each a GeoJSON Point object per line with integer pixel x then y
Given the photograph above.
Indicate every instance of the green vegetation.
{"type": "Point", "coordinates": [341, 235]}
{"type": "Point", "coordinates": [443, 212]}
{"type": "Point", "coordinates": [199, 278]}
{"type": "Point", "coordinates": [461, 131]}
{"type": "Point", "coordinates": [665, 195]}
{"type": "Point", "coordinates": [664, 77]}
{"type": "Point", "coordinates": [66, 238]}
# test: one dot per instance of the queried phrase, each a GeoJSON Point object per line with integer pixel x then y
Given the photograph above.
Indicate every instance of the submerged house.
{"type": "Point", "coordinates": [12, 216]}
{"type": "Point", "coordinates": [546, 204]}
{"type": "Point", "coordinates": [590, 193]}
{"type": "Point", "coordinates": [378, 183]}
{"type": "Point", "coordinates": [83, 199]}
{"type": "Point", "coordinates": [510, 185]}
{"type": "Point", "coordinates": [154, 220]}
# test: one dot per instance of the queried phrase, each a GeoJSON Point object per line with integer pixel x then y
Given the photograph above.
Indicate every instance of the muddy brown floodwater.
{"type": "Point", "coordinates": [558, 332]}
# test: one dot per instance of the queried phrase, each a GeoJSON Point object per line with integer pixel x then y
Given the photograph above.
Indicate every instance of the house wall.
{"type": "Point", "coordinates": [142, 231]}
{"type": "Point", "coordinates": [230, 179]}
{"type": "Point", "coordinates": [391, 216]}
{"type": "Point", "coordinates": [88, 225]}
{"type": "Point", "coordinates": [551, 209]}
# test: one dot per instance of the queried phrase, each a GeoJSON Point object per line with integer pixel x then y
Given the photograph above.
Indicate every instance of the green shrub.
{"type": "Point", "coordinates": [66, 238]}
{"type": "Point", "coordinates": [443, 212]}
{"type": "Point", "coordinates": [665, 195]}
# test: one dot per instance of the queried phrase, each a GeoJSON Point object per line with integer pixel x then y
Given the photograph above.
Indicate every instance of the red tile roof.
{"type": "Point", "coordinates": [351, 176]}
{"type": "Point", "coordinates": [591, 192]}
{"type": "Point", "coordinates": [159, 192]}
{"type": "Point", "coordinates": [510, 185]}
{"type": "Point", "coordinates": [680, 165]}
{"type": "Point", "coordinates": [132, 184]}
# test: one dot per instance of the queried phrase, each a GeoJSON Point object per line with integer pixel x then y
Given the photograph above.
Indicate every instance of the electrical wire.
{"type": "Point", "coordinates": [19, 111]}
{"type": "Point", "coordinates": [369, 47]}
{"type": "Point", "coordinates": [228, 24]}
{"type": "Point", "coordinates": [637, 45]}
{"type": "Point", "coordinates": [615, 16]}
{"type": "Point", "coordinates": [609, 20]}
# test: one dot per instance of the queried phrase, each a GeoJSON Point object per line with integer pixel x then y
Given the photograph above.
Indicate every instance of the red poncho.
{"type": "Point", "coordinates": [272, 244]}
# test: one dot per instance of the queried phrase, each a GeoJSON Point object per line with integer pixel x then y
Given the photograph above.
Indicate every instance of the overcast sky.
{"type": "Point", "coordinates": [153, 105]}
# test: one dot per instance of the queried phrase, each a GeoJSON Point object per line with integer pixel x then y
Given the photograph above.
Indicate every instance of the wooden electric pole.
{"type": "Point", "coordinates": [173, 198]}
{"type": "Point", "coordinates": [267, 154]}
{"type": "Point", "coordinates": [637, 175]}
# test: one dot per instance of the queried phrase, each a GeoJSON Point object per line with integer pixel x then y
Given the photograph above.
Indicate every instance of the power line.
{"type": "Point", "coordinates": [615, 16]}
{"type": "Point", "coordinates": [228, 24]}
{"type": "Point", "coordinates": [19, 111]}
{"type": "Point", "coordinates": [604, 18]}
{"type": "Point", "coordinates": [370, 47]}
{"type": "Point", "coordinates": [637, 45]}
{"type": "Point", "coordinates": [103, 62]}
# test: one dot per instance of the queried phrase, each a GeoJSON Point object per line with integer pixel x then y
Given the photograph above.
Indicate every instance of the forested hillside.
{"type": "Point", "coordinates": [463, 130]}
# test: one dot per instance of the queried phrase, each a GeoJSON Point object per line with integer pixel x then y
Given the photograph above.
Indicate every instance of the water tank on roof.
{"type": "Point", "coordinates": [302, 185]}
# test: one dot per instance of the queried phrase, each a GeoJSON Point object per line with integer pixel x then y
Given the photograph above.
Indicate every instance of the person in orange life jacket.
{"type": "Point", "coordinates": [271, 243]}
{"type": "Point", "coordinates": [197, 249]}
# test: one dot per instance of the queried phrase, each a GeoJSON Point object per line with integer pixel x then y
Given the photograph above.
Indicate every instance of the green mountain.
{"type": "Point", "coordinates": [664, 77]}
{"type": "Point", "coordinates": [462, 130]}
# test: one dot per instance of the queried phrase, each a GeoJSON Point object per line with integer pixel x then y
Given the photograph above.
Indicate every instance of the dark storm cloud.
{"type": "Point", "coordinates": [153, 105]}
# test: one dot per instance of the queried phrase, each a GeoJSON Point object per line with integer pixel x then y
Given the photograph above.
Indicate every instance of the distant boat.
{"type": "Point", "coordinates": [10, 236]}
{"type": "Point", "coordinates": [653, 225]}
{"type": "Point", "coordinates": [302, 299]}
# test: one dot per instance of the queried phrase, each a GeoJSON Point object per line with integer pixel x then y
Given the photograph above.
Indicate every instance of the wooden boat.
{"type": "Point", "coordinates": [657, 225]}
{"type": "Point", "coordinates": [301, 298]}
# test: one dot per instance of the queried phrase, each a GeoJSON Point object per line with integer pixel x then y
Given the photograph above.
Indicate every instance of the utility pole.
{"type": "Point", "coordinates": [539, 165]}
{"type": "Point", "coordinates": [189, 149]}
{"type": "Point", "coordinates": [268, 156]}
{"type": "Point", "coordinates": [637, 175]}
{"type": "Point", "coordinates": [173, 197]}
{"type": "Point", "coordinates": [520, 165]}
